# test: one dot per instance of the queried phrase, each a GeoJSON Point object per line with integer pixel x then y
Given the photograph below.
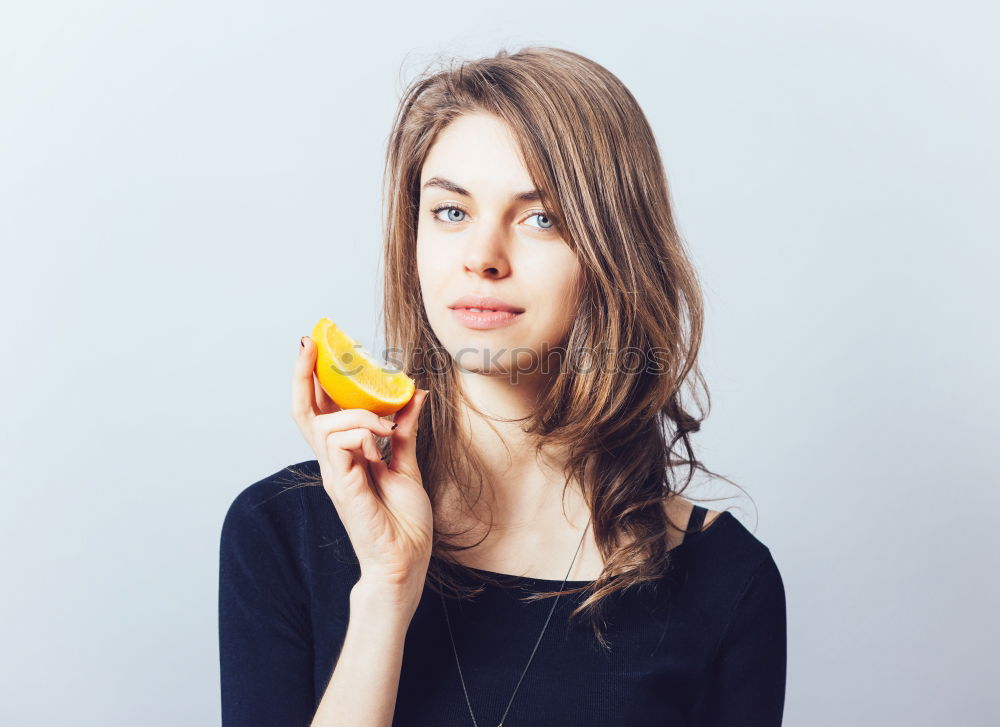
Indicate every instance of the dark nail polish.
{"type": "Point", "coordinates": [302, 341]}
{"type": "Point", "coordinates": [394, 426]}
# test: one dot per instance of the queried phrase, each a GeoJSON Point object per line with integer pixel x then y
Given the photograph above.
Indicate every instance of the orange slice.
{"type": "Point", "coordinates": [352, 377]}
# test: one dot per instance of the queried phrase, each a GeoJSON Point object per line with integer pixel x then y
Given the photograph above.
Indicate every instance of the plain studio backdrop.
{"type": "Point", "coordinates": [186, 187]}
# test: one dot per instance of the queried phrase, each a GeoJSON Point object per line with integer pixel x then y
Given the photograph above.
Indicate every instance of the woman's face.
{"type": "Point", "coordinates": [480, 234]}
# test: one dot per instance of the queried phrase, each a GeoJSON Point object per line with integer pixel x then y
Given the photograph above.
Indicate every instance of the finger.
{"type": "Point", "coordinates": [303, 401]}
{"type": "Point", "coordinates": [404, 437]}
{"type": "Point", "coordinates": [363, 454]}
{"type": "Point", "coordinates": [350, 419]}
{"type": "Point", "coordinates": [342, 488]}
{"type": "Point", "coordinates": [376, 475]}
{"type": "Point", "coordinates": [324, 404]}
{"type": "Point", "coordinates": [371, 449]}
{"type": "Point", "coordinates": [345, 449]}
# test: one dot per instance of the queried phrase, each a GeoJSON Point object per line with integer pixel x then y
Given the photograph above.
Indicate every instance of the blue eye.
{"type": "Point", "coordinates": [547, 226]}
{"type": "Point", "coordinates": [544, 217]}
{"type": "Point", "coordinates": [435, 211]}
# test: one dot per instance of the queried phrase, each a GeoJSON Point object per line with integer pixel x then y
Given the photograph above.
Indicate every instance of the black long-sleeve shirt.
{"type": "Point", "coordinates": [706, 647]}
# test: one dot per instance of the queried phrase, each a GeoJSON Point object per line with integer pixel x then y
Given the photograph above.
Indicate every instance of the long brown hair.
{"type": "Point", "coordinates": [592, 155]}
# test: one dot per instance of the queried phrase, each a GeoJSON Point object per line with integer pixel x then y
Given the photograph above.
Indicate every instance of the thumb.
{"type": "Point", "coordinates": [404, 436]}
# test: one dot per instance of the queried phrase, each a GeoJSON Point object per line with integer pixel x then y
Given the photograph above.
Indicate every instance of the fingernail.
{"type": "Point", "coordinates": [394, 426]}
{"type": "Point", "coordinates": [302, 341]}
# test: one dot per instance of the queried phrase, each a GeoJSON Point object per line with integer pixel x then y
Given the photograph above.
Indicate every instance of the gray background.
{"type": "Point", "coordinates": [187, 186]}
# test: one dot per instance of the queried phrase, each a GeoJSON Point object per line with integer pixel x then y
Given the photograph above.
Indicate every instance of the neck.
{"type": "Point", "coordinates": [523, 490]}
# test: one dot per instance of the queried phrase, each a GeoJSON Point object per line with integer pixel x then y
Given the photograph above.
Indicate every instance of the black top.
{"type": "Point", "coordinates": [705, 647]}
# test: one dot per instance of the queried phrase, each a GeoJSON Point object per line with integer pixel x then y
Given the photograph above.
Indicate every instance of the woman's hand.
{"type": "Point", "coordinates": [384, 507]}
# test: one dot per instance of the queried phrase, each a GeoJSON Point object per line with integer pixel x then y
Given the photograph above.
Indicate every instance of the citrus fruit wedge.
{"type": "Point", "coordinates": [352, 377]}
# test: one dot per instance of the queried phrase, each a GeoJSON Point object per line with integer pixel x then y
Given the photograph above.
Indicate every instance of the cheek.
{"type": "Point", "coordinates": [434, 272]}
{"type": "Point", "coordinates": [557, 275]}
{"type": "Point", "coordinates": [428, 266]}
{"type": "Point", "coordinates": [432, 254]}
{"type": "Point", "coordinates": [420, 254]}
{"type": "Point", "coordinates": [555, 282]}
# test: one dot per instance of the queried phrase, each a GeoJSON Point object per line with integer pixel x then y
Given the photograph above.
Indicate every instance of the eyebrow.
{"type": "Point", "coordinates": [532, 195]}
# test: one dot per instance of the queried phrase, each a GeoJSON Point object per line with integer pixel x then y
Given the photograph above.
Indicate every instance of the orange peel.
{"type": "Point", "coordinates": [352, 377]}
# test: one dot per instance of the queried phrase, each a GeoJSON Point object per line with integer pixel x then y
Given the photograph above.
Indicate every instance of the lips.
{"type": "Point", "coordinates": [484, 320]}
{"type": "Point", "coordinates": [484, 303]}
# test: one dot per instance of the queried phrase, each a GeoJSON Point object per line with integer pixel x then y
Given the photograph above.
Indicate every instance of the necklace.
{"type": "Point", "coordinates": [551, 610]}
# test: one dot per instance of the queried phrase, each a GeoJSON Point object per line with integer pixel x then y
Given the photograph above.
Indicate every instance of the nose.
{"type": "Point", "coordinates": [485, 252]}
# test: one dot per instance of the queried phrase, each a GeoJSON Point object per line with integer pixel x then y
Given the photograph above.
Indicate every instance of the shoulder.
{"type": "Point", "coordinates": [725, 553]}
{"type": "Point", "coordinates": [679, 511]}
{"type": "Point", "coordinates": [710, 516]}
{"type": "Point", "coordinates": [263, 556]}
{"type": "Point", "coordinates": [725, 536]}
{"type": "Point", "coordinates": [270, 494]}
{"type": "Point", "coordinates": [724, 527]}
{"type": "Point", "coordinates": [272, 507]}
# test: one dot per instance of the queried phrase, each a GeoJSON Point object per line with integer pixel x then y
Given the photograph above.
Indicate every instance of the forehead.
{"type": "Point", "coordinates": [479, 153]}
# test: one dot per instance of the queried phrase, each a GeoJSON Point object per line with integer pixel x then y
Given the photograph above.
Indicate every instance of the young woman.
{"type": "Point", "coordinates": [433, 569]}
